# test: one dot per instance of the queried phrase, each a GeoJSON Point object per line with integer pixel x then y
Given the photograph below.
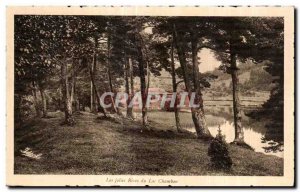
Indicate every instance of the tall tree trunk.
{"type": "Point", "coordinates": [111, 89]}
{"type": "Point", "coordinates": [148, 78]}
{"type": "Point", "coordinates": [95, 63]}
{"type": "Point", "coordinates": [101, 109]}
{"type": "Point", "coordinates": [92, 90]}
{"type": "Point", "coordinates": [94, 72]}
{"type": "Point", "coordinates": [44, 102]}
{"type": "Point", "coordinates": [142, 79]}
{"type": "Point", "coordinates": [69, 120]}
{"type": "Point", "coordinates": [148, 75]}
{"type": "Point", "coordinates": [60, 101]}
{"type": "Point", "coordinates": [173, 73]}
{"type": "Point", "coordinates": [127, 74]}
{"type": "Point", "coordinates": [182, 59]}
{"type": "Point", "coordinates": [131, 84]}
{"type": "Point", "coordinates": [75, 93]}
{"type": "Point", "coordinates": [35, 100]}
{"type": "Point", "coordinates": [73, 79]}
{"type": "Point", "coordinates": [239, 132]}
{"type": "Point", "coordinates": [77, 104]}
{"type": "Point", "coordinates": [197, 113]}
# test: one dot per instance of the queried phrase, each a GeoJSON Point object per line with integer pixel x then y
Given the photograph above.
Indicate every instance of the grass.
{"type": "Point", "coordinates": [99, 146]}
{"type": "Point", "coordinates": [167, 119]}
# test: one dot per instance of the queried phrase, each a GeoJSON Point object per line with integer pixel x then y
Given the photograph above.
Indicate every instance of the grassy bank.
{"type": "Point", "coordinates": [98, 146]}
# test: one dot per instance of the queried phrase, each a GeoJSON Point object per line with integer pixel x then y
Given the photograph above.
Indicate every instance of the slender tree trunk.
{"type": "Point", "coordinates": [111, 89]}
{"type": "Point", "coordinates": [94, 72]}
{"type": "Point", "coordinates": [173, 73]}
{"type": "Point", "coordinates": [148, 78]}
{"type": "Point", "coordinates": [197, 114]}
{"type": "Point", "coordinates": [72, 91]}
{"type": "Point", "coordinates": [127, 74]}
{"type": "Point", "coordinates": [95, 63]}
{"type": "Point", "coordinates": [101, 109]}
{"type": "Point", "coordinates": [131, 84]}
{"type": "Point", "coordinates": [75, 99]}
{"type": "Point", "coordinates": [182, 59]}
{"type": "Point", "coordinates": [239, 133]}
{"type": "Point", "coordinates": [35, 100]}
{"type": "Point", "coordinates": [142, 80]}
{"type": "Point", "coordinates": [60, 101]}
{"type": "Point", "coordinates": [145, 56]}
{"type": "Point", "coordinates": [69, 120]}
{"type": "Point", "coordinates": [44, 102]}
{"type": "Point", "coordinates": [92, 90]}
{"type": "Point", "coordinates": [77, 104]}
{"type": "Point", "coordinates": [73, 79]}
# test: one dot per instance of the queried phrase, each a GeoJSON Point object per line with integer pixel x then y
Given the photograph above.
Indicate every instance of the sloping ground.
{"type": "Point", "coordinates": [99, 146]}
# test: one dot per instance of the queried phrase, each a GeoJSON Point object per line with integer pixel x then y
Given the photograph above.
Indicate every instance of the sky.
{"type": "Point", "coordinates": [208, 61]}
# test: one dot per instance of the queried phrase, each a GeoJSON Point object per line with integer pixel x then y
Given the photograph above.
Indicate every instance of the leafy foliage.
{"type": "Point", "coordinates": [218, 153]}
{"type": "Point", "coordinates": [43, 44]}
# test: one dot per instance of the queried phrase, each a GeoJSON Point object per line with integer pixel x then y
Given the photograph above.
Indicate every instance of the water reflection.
{"type": "Point", "coordinates": [251, 137]}
{"type": "Point", "coordinates": [253, 130]}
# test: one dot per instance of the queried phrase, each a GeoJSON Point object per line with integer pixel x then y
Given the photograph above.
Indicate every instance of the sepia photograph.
{"type": "Point", "coordinates": [150, 96]}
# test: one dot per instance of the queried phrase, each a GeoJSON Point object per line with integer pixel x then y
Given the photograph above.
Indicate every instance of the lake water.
{"type": "Point", "coordinates": [254, 131]}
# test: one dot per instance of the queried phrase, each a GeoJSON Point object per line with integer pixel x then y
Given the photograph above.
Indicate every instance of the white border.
{"type": "Point", "coordinates": [115, 2]}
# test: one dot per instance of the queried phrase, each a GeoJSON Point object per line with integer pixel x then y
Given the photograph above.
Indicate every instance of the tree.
{"type": "Point", "coordinates": [123, 55]}
{"type": "Point", "coordinates": [134, 32]}
{"type": "Point", "coordinates": [239, 39]}
{"type": "Point", "coordinates": [66, 36]}
{"type": "Point", "coordinates": [218, 152]}
{"type": "Point", "coordinates": [181, 31]}
{"type": "Point", "coordinates": [32, 63]}
{"type": "Point", "coordinates": [174, 84]}
{"type": "Point", "coordinates": [164, 58]}
{"type": "Point", "coordinates": [180, 35]}
{"type": "Point", "coordinates": [269, 41]}
{"type": "Point", "coordinates": [231, 42]}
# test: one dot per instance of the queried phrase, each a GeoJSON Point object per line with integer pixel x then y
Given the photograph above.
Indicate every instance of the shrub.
{"type": "Point", "coordinates": [218, 153]}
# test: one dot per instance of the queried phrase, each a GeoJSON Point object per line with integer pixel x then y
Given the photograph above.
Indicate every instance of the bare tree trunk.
{"type": "Point", "coordinates": [145, 56]}
{"type": "Point", "coordinates": [75, 95]}
{"type": "Point", "coordinates": [239, 132]}
{"type": "Point", "coordinates": [115, 110]}
{"type": "Point", "coordinates": [173, 73]}
{"type": "Point", "coordinates": [44, 102]}
{"type": "Point", "coordinates": [77, 104]}
{"type": "Point", "coordinates": [131, 84]}
{"type": "Point", "coordinates": [92, 90]}
{"type": "Point", "coordinates": [182, 59]}
{"type": "Point", "coordinates": [197, 114]}
{"type": "Point", "coordinates": [60, 101]}
{"type": "Point", "coordinates": [142, 80]}
{"type": "Point", "coordinates": [73, 79]}
{"type": "Point", "coordinates": [95, 107]}
{"type": "Point", "coordinates": [69, 120]}
{"type": "Point", "coordinates": [102, 110]}
{"type": "Point", "coordinates": [94, 72]}
{"type": "Point", "coordinates": [148, 78]}
{"type": "Point", "coordinates": [127, 74]}
{"type": "Point", "coordinates": [35, 100]}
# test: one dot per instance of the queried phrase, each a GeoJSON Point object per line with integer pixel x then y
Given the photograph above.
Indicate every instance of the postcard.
{"type": "Point", "coordinates": [150, 96]}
